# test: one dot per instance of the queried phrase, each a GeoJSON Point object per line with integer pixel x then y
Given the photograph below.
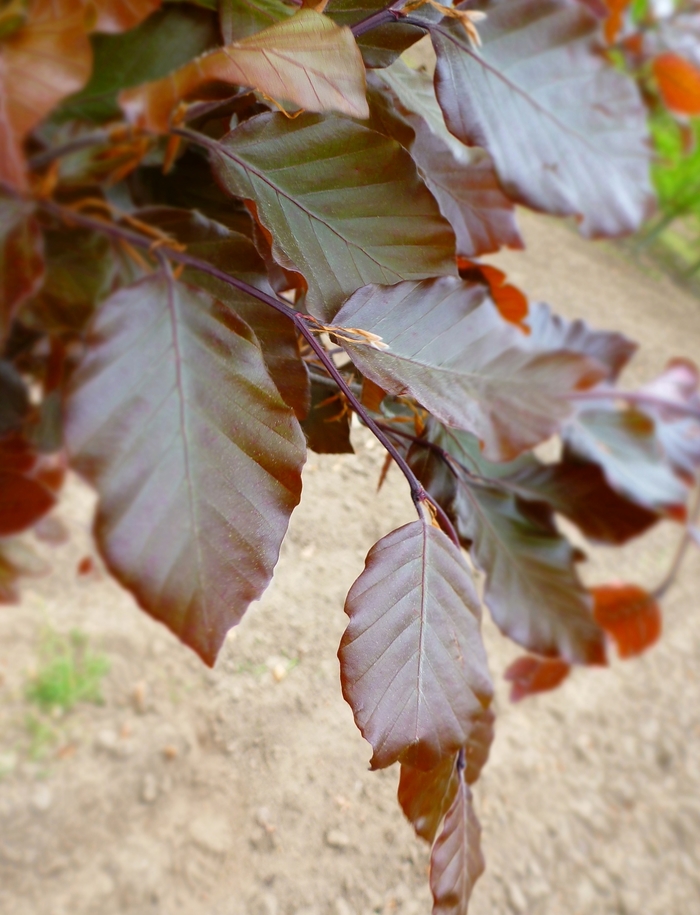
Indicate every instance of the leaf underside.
{"type": "Point", "coordinates": [174, 419]}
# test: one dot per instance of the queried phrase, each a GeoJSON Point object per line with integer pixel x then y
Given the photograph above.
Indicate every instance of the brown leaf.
{"type": "Point", "coordinates": [43, 62]}
{"type": "Point", "coordinates": [530, 675]}
{"type": "Point", "coordinates": [307, 60]}
{"type": "Point", "coordinates": [509, 300]}
{"type": "Point", "coordinates": [630, 615]}
{"type": "Point", "coordinates": [679, 83]}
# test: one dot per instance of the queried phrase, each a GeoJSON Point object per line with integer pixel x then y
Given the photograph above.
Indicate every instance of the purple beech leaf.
{"type": "Point", "coordinates": [344, 205]}
{"type": "Point", "coordinates": [679, 435]}
{"type": "Point", "coordinates": [532, 589]}
{"type": "Point", "coordinates": [566, 130]}
{"type": "Point", "coordinates": [456, 862]}
{"type": "Point", "coordinates": [625, 444]}
{"type": "Point", "coordinates": [425, 797]}
{"type": "Point", "coordinates": [235, 253]}
{"type": "Point", "coordinates": [327, 426]}
{"type": "Point", "coordinates": [412, 662]}
{"type": "Point", "coordinates": [449, 347]}
{"type": "Point", "coordinates": [461, 179]}
{"type": "Point", "coordinates": [174, 419]}
{"type": "Point", "coordinates": [551, 331]}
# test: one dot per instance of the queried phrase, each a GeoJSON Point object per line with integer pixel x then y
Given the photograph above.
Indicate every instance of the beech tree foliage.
{"type": "Point", "coordinates": [226, 229]}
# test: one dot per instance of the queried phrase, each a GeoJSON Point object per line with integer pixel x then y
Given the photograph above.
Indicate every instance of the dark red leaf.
{"type": "Point", "coordinates": [413, 667]}
{"type": "Point", "coordinates": [175, 420]}
{"type": "Point", "coordinates": [530, 675]}
{"type": "Point", "coordinates": [630, 615]}
{"type": "Point", "coordinates": [22, 502]}
{"type": "Point", "coordinates": [425, 797]}
{"type": "Point", "coordinates": [456, 862]}
{"type": "Point", "coordinates": [327, 426]}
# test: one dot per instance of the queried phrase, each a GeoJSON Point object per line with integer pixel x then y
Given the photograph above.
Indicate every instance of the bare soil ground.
{"type": "Point", "coordinates": [245, 790]}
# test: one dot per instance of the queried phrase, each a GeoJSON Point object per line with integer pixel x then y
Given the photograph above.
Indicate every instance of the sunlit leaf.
{"type": "Point", "coordinates": [234, 253]}
{"type": "Point", "coordinates": [343, 204]}
{"type": "Point", "coordinates": [630, 615]}
{"type": "Point", "coordinates": [462, 180]}
{"type": "Point", "coordinates": [679, 83]}
{"type": "Point", "coordinates": [530, 675]}
{"type": "Point", "coordinates": [306, 60]}
{"type": "Point", "coordinates": [165, 40]}
{"type": "Point", "coordinates": [40, 64]}
{"type": "Point", "coordinates": [456, 862]}
{"type": "Point", "coordinates": [448, 347]}
{"type": "Point", "coordinates": [21, 258]}
{"type": "Point", "coordinates": [174, 419]}
{"type": "Point", "coordinates": [413, 667]}
{"type": "Point", "coordinates": [587, 159]}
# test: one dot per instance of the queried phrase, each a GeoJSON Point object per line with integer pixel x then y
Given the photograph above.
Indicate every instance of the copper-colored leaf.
{"type": "Point", "coordinates": [630, 615]}
{"type": "Point", "coordinates": [456, 862]}
{"type": "Point", "coordinates": [413, 667]}
{"type": "Point", "coordinates": [173, 417]}
{"type": "Point", "coordinates": [46, 60]}
{"type": "Point", "coordinates": [613, 23]}
{"type": "Point", "coordinates": [120, 15]}
{"type": "Point", "coordinates": [530, 675]}
{"type": "Point", "coordinates": [679, 83]}
{"type": "Point", "coordinates": [508, 299]}
{"type": "Point", "coordinates": [307, 60]}
{"type": "Point", "coordinates": [425, 797]}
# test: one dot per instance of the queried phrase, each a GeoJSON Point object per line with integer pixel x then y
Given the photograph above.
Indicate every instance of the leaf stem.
{"type": "Point", "coordinates": [681, 550]}
{"type": "Point", "coordinates": [390, 13]}
{"type": "Point", "coordinates": [302, 322]}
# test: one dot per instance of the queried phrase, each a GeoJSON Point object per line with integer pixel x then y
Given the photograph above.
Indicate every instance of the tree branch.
{"type": "Point", "coordinates": [303, 323]}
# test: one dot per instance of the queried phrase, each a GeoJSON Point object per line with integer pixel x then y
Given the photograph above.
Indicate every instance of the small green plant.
{"type": "Point", "coordinates": [69, 673]}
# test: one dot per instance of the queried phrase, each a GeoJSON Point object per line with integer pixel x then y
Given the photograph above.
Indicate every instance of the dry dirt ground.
{"type": "Point", "coordinates": [245, 790]}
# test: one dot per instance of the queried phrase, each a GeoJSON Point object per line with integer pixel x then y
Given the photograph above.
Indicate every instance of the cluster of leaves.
{"type": "Point", "coordinates": [224, 232]}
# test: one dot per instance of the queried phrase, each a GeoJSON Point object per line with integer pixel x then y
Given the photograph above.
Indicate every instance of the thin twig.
{"type": "Point", "coordinates": [681, 550]}
{"type": "Point", "coordinates": [300, 320]}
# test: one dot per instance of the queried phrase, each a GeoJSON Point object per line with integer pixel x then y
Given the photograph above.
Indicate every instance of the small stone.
{"type": "Point", "coordinates": [149, 788]}
{"type": "Point", "coordinates": [139, 697]}
{"type": "Point", "coordinates": [337, 839]}
{"type": "Point", "coordinates": [516, 898]}
{"type": "Point", "coordinates": [211, 834]}
{"type": "Point", "coordinates": [343, 907]}
{"type": "Point", "coordinates": [279, 672]}
{"type": "Point", "coordinates": [42, 799]}
{"type": "Point", "coordinates": [170, 752]}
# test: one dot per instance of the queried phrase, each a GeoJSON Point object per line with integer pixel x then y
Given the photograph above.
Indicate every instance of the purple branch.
{"type": "Point", "coordinates": [300, 320]}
